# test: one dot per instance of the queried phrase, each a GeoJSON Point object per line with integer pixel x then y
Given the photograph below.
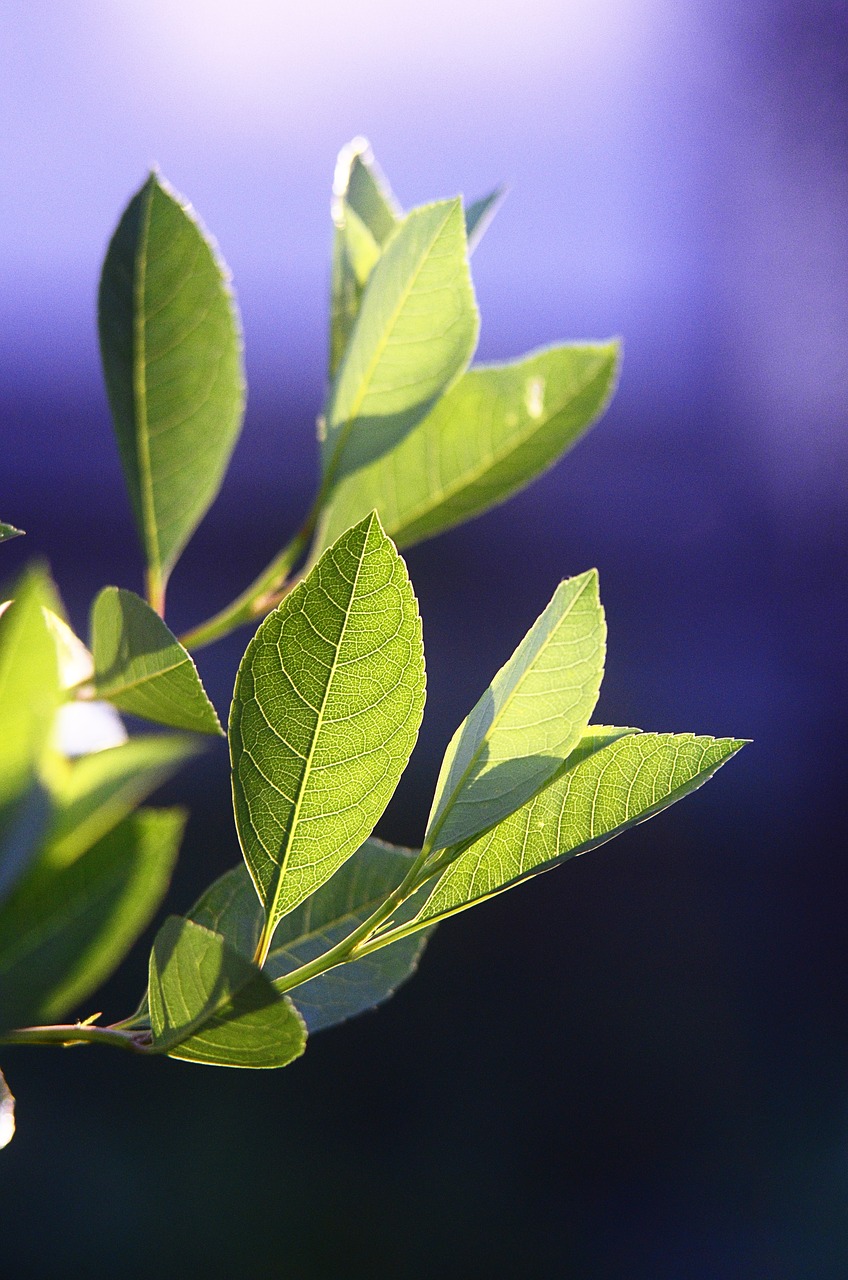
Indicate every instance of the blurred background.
{"type": "Point", "coordinates": [637, 1066]}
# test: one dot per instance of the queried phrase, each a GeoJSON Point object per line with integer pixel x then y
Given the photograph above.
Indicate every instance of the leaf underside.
{"type": "Point", "coordinates": [230, 908]}
{"type": "Point", "coordinates": [171, 347]}
{"type": "Point", "coordinates": [326, 709]}
{"type": "Point", "coordinates": [8, 531]}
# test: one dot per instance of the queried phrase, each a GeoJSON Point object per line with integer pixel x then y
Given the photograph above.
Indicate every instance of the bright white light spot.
{"type": "Point", "coordinates": [534, 397]}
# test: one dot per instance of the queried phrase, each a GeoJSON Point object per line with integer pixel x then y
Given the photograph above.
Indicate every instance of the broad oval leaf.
{"type": "Point", "coordinates": [172, 357]}
{"type": "Point", "coordinates": [414, 332]}
{"type": "Point", "coordinates": [94, 793]}
{"type": "Point", "coordinates": [8, 531]}
{"type": "Point", "coordinates": [208, 1004]}
{"type": "Point", "coordinates": [490, 434]}
{"type": "Point", "coordinates": [326, 709]}
{"type": "Point", "coordinates": [141, 667]}
{"type": "Point", "coordinates": [529, 719]}
{"type": "Point", "coordinates": [605, 787]}
{"type": "Point", "coordinates": [64, 929]}
{"type": "Point", "coordinates": [357, 889]}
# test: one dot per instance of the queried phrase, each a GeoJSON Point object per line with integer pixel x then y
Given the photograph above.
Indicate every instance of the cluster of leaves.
{"type": "Point", "coordinates": [320, 920]}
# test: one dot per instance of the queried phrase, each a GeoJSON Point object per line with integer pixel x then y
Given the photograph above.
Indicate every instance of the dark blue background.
{"type": "Point", "coordinates": [638, 1066]}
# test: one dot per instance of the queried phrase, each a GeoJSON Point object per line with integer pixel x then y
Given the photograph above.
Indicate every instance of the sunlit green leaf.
{"type": "Point", "coordinates": [141, 667]}
{"type": "Point", "coordinates": [605, 787]}
{"type": "Point", "coordinates": [494, 431]}
{"type": "Point", "coordinates": [171, 348]}
{"type": "Point", "coordinates": [230, 907]}
{"type": "Point", "coordinates": [92, 794]}
{"type": "Point", "coordinates": [326, 710]}
{"type": "Point", "coordinates": [8, 531]}
{"type": "Point", "coordinates": [64, 929]}
{"type": "Point", "coordinates": [529, 719]}
{"type": "Point", "coordinates": [29, 685]}
{"type": "Point", "coordinates": [208, 1004]}
{"type": "Point", "coordinates": [414, 332]}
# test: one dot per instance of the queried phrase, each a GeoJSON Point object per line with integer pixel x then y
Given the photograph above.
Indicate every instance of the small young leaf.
{"type": "Point", "coordinates": [92, 794]}
{"type": "Point", "coordinates": [326, 709]}
{"type": "Point", "coordinates": [364, 213]}
{"type": "Point", "coordinates": [479, 215]}
{"type": "Point", "coordinates": [8, 531]}
{"type": "Point", "coordinates": [64, 929]}
{"type": "Point", "coordinates": [415, 331]}
{"type": "Point", "coordinates": [605, 787]}
{"type": "Point", "coordinates": [171, 348]}
{"type": "Point", "coordinates": [7, 1113]}
{"type": "Point", "coordinates": [208, 1004]}
{"type": "Point", "coordinates": [141, 667]}
{"type": "Point", "coordinates": [29, 685]}
{"type": "Point", "coordinates": [490, 434]}
{"type": "Point", "coordinates": [230, 907]}
{"type": "Point", "coordinates": [529, 719]}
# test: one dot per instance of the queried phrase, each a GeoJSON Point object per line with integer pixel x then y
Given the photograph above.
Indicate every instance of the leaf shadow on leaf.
{"type": "Point", "coordinates": [23, 823]}
{"type": "Point", "coordinates": [150, 637]}
{"type": "Point", "coordinates": [373, 437]}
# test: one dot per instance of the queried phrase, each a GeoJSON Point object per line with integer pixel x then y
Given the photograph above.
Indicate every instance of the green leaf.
{"type": "Point", "coordinates": [23, 825]}
{"type": "Point", "coordinates": [529, 719]}
{"type": "Point", "coordinates": [364, 215]}
{"type": "Point", "coordinates": [171, 347]}
{"type": "Point", "coordinates": [326, 709]}
{"type": "Point", "coordinates": [141, 667]}
{"type": "Point", "coordinates": [64, 929]}
{"type": "Point", "coordinates": [479, 215]}
{"type": "Point", "coordinates": [230, 907]}
{"type": "Point", "coordinates": [208, 1004]}
{"type": "Point", "coordinates": [8, 531]}
{"type": "Point", "coordinates": [29, 685]}
{"type": "Point", "coordinates": [494, 431]}
{"type": "Point", "coordinates": [7, 1113]}
{"type": "Point", "coordinates": [414, 332]}
{"type": "Point", "coordinates": [92, 794]}
{"type": "Point", "coordinates": [605, 787]}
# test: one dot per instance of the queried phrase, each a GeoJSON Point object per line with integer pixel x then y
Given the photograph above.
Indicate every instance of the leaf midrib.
{"type": "Point", "coordinates": [140, 386]}
{"type": "Point", "coordinates": [307, 767]}
{"type": "Point", "coordinates": [383, 342]}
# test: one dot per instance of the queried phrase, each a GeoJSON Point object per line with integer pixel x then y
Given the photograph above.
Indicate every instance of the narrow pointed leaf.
{"type": "Point", "coordinates": [604, 788]}
{"type": "Point", "coordinates": [208, 1004]}
{"type": "Point", "coordinates": [93, 794]}
{"type": "Point", "coordinates": [8, 531]}
{"type": "Point", "coordinates": [63, 930]}
{"type": "Point", "coordinates": [529, 719]}
{"type": "Point", "coordinates": [29, 684]}
{"type": "Point", "coordinates": [326, 709]}
{"type": "Point", "coordinates": [479, 214]}
{"type": "Point", "coordinates": [230, 907]}
{"type": "Point", "coordinates": [141, 667]}
{"type": "Point", "coordinates": [171, 348]}
{"type": "Point", "coordinates": [489, 435]}
{"type": "Point", "coordinates": [7, 1113]}
{"type": "Point", "coordinates": [414, 332]}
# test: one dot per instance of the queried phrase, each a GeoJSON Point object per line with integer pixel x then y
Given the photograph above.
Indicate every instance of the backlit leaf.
{"type": "Point", "coordinates": [494, 431]}
{"type": "Point", "coordinates": [209, 1004]}
{"type": "Point", "coordinates": [171, 348]}
{"type": "Point", "coordinates": [326, 709]}
{"type": "Point", "coordinates": [64, 929]}
{"type": "Point", "coordinates": [8, 531]}
{"type": "Point", "coordinates": [230, 907]}
{"type": "Point", "coordinates": [605, 787]}
{"type": "Point", "coordinates": [141, 667]}
{"type": "Point", "coordinates": [529, 719]}
{"type": "Point", "coordinates": [414, 332]}
{"type": "Point", "coordinates": [29, 685]}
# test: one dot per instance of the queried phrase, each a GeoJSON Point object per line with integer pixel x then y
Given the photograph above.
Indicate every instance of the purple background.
{"type": "Point", "coordinates": [639, 1065]}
